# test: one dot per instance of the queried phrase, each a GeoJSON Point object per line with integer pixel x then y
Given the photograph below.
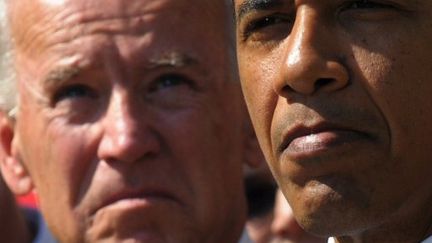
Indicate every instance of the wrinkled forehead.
{"type": "Point", "coordinates": [33, 19]}
{"type": "Point", "coordinates": [113, 8]}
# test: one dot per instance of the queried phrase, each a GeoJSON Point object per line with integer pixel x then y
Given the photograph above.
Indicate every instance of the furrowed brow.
{"type": "Point", "coordinates": [60, 75]}
{"type": "Point", "coordinates": [172, 59]}
{"type": "Point", "coordinates": [252, 5]}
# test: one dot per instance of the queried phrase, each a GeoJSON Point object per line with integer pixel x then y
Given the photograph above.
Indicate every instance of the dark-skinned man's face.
{"type": "Point", "coordinates": [339, 94]}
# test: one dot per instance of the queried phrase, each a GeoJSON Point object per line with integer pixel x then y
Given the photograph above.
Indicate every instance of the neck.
{"type": "Point", "coordinates": [13, 227]}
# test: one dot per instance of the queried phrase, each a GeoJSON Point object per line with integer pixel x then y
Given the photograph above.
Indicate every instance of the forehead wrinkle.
{"type": "Point", "coordinates": [133, 17]}
{"type": "Point", "coordinates": [43, 27]}
{"type": "Point", "coordinates": [253, 5]}
{"type": "Point", "coordinates": [130, 25]}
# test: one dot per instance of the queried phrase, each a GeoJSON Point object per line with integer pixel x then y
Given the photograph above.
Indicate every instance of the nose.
{"type": "Point", "coordinates": [310, 57]}
{"type": "Point", "coordinates": [127, 132]}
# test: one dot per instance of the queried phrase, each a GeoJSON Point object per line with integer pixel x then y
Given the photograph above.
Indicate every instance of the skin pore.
{"type": "Point", "coordinates": [338, 93]}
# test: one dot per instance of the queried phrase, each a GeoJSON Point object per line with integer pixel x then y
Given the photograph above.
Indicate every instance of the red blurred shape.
{"type": "Point", "coordinates": [29, 200]}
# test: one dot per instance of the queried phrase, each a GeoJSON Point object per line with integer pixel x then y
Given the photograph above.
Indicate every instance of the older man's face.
{"type": "Point", "coordinates": [129, 122]}
{"type": "Point", "coordinates": [340, 96]}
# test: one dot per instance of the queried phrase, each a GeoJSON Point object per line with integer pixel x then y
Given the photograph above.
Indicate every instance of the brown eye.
{"type": "Point", "coordinates": [365, 4]}
{"type": "Point", "coordinates": [266, 24]}
{"type": "Point", "coordinates": [364, 12]}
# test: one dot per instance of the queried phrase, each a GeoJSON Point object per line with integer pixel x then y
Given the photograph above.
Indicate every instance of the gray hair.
{"type": "Point", "coordinates": [7, 73]}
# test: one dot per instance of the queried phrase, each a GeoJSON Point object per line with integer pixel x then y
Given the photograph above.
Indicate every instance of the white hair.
{"type": "Point", "coordinates": [7, 73]}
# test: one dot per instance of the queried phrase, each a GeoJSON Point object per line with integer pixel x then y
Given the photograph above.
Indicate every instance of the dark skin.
{"type": "Point", "coordinates": [338, 92]}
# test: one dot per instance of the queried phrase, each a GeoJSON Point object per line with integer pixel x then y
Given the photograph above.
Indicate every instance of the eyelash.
{"type": "Point", "coordinates": [365, 4]}
{"type": "Point", "coordinates": [73, 92]}
{"type": "Point", "coordinates": [170, 80]}
{"type": "Point", "coordinates": [264, 22]}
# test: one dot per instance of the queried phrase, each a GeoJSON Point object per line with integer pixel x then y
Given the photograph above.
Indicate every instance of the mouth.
{"type": "Point", "coordinates": [308, 141]}
{"type": "Point", "coordinates": [130, 199]}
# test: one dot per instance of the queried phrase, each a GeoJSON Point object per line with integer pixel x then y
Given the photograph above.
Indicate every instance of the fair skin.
{"type": "Point", "coordinates": [339, 94]}
{"type": "Point", "coordinates": [129, 126]}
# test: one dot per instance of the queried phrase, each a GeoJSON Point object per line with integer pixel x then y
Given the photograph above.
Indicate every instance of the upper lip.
{"type": "Point", "coordinates": [301, 130]}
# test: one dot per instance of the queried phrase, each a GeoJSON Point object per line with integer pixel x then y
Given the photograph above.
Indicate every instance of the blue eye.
{"type": "Point", "coordinates": [74, 92]}
{"type": "Point", "coordinates": [172, 91]}
{"type": "Point", "coordinates": [169, 81]}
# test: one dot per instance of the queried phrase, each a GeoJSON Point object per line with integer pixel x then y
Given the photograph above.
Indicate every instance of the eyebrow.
{"type": "Point", "coordinates": [171, 59]}
{"type": "Point", "coordinates": [252, 5]}
{"type": "Point", "coordinates": [60, 75]}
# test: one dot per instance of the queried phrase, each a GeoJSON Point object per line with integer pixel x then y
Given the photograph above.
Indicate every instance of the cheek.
{"type": "Point", "coordinates": [400, 89]}
{"type": "Point", "coordinates": [204, 139]}
{"type": "Point", "coordinates": [64, 153]}
{"type": "Point", "coordinates": [260, 97]}
{"type": "Point", "coordinates": [66, 157]}
{"type": "Point", "coordinates": [199, 146]}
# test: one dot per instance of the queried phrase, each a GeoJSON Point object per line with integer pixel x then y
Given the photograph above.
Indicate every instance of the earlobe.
{"type": "Point", "coordinates": [13, 170]}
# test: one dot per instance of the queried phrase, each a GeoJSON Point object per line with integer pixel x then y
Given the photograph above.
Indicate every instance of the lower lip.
{"type": "Point", "coordinates": [138, 203]}
{"type": "Point", "coordinates": [321, 143]}
{"type": "Point", "coordinates": [130, 203]}
{"type": "Point", "coordinates": [129, 218]}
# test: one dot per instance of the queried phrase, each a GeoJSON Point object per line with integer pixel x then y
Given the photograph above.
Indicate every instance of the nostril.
{"type": "Point", "coordinates": [322, 83]}
{"type": "Point", "coordinates": [286, 90]}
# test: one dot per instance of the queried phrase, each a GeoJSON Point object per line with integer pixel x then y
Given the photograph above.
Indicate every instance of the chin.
{"type": "Point", "coordinates": [136, 237]}
{"type": "Point", "coordinates": [325, 211]}
{"type": "Point", "coordinates": [139, 220]}
{"type": "Point", "coordinates": [133, 235]}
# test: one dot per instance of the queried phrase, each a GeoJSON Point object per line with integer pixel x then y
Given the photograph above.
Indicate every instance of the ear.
{"type": "Point", "coordinates": [254, 157]}
{"type": "Point", "coordinates": [14, 172]}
